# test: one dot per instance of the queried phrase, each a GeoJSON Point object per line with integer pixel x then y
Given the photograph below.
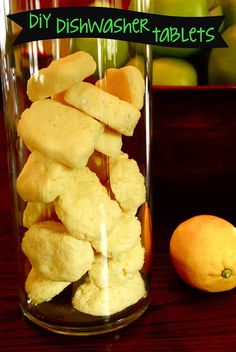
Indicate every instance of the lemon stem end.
{"type": "Point", "coordinates": [226, 273]}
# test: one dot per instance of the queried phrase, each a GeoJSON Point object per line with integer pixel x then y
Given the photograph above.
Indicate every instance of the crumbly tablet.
{"type": "Point", "coordinates": [109, 142]}
{"type": "Point", "coordinates": [55, 254]}
{"type": "Point", "coordinates": [94, 300]}
{"type": "Point", "coordinates": [38, 212]}
{"type": "Point", "coordinates": [110, 272]}
{"type": "Point", "coordinates": [114, 112]}
{"type": "Point", "coordinates": [85, 207]}
{"type": "Point", "coordinates": [130, 261]}
{"type": "Point", "coordinates": [60, 75]}
{"type": "Point", "coordinates": [42, 179]}
{"type": "Point", "coordinates": [60, 132]}
{"type": "Point", "coordinates": [123, 237]}
{"type": "Point", "coordinates": [39, 289]}
{"type": "Point", "coordinates": [127, 182]}
{"type": "Point", "coordinates": [103, 274]}
{"type": "Point", "coordinates": [126, 83]}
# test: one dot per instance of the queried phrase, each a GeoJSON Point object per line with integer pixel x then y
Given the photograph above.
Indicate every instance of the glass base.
{"type": "Point", "coordinates": [104, 325]}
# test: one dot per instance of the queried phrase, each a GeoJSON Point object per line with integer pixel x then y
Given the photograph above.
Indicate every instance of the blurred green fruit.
{"type": "Point", "coordinates": [180, 7]}
{"type": "Point", "coordinates": [140, 6]}
{"type": "Point", "coordinates": [174, 52]}
{"type": "Point", "coordinates": [213, 3]}
{"type": "Point", "coordinates": [222, 61]}
{"type": "Point", "coordinates": [229, 10]}
{"type": "Point", "coordinates": [218, 11]}
{"type": "Point", "coordinates": [173, 72]}
{"type": "Point", "coordinates": [106, 52]}
{"type": "Point", "coordinates": [185, 8]}
{"type": "Point", "coordinates": [137, 61]}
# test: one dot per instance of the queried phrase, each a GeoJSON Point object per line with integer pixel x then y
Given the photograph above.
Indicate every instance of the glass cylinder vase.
{"type": "Point", "coordinates": [78, 124]}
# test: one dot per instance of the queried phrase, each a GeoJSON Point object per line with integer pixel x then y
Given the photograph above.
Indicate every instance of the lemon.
{"type": "Point", "coordinates": [203, 252]}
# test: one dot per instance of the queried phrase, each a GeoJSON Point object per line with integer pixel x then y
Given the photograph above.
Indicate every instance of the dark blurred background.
{"type": "Point", "coordinates": [194, 153]}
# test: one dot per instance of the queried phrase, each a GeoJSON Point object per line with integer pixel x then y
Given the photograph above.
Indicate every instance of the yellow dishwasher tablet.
{"type": "Point", "coordinates": [60, 132]}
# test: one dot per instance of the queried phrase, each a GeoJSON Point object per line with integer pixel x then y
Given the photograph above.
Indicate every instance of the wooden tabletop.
{"type": "Point", "coordinates": [194, 172]}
